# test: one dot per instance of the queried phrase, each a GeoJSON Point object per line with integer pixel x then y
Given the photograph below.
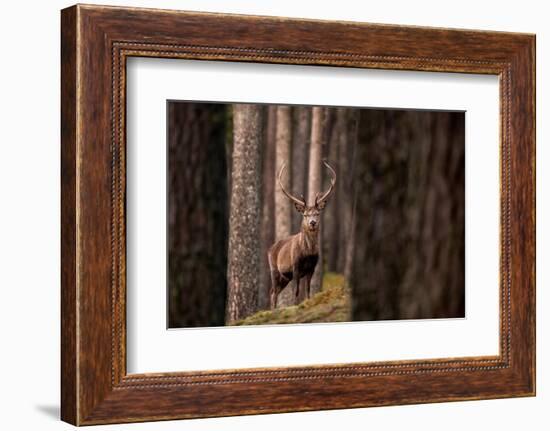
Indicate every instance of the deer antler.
{"type": "Point", "coordinates": [322, 198]}
{"type": "Point", "coordinates": [301, 202]}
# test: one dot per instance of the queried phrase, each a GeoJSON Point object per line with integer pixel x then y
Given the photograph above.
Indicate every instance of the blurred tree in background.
{"type": "Point", "coordinates": [283, 207]}
{"type": "Point", "coordinates": [197, 214]}
{"type": "Point", "coordinates": [267, 229]}
{"type": "Point", "coordinates": [409, 219]}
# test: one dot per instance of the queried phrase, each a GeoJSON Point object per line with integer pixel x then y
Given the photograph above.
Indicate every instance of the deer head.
{"type": "Point", "coordinates": [311, 213]}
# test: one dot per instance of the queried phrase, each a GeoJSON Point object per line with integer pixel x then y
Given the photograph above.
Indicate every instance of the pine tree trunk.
{"type": "Point", "coordinates": [245, 211]}
{"type": "Point", "coordinates": [380, 219]}
{"type": "Point", "coordinates": [409, 261]}
{"type": "Point", "coordinates": [435, 202]}
{"type": "Point", "coordinates": [197, 215]}
{"type": "Point", "coordinates": [268, 204]}
{"type": "Point", "coordinates": [283, 206]}
{"type": "Point", "coordinates": [331, 215]}
{"type": "Point", "coordinates": [282, 157]}
{"type": "Point", "coordinates": [346, 192]}
{"type": "Point", "coordinates": [315, 181]}
{"type": "Point", "coordinates": [300, 152]}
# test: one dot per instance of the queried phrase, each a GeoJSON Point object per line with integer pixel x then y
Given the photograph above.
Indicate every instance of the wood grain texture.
{"type": "Point", "coordinates": [69, 397]}
{"type": "Point", "coordinates": [96, 41]}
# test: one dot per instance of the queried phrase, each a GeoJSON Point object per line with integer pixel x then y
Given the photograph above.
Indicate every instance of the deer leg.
{"type": "Point", "coordinates": [273, 291]}
{"type": "Point", "coordinates": [273, 299]}
{"type": "Point", "coordinates": [296, 277]}
{"type": "Point", "coordinates": [297, 296]}
{"type": "Point", "coordinates": [308, 285]}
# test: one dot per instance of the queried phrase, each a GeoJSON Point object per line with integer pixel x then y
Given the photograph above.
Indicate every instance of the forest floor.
{"type": "Point", "coordinates": [331, 304]}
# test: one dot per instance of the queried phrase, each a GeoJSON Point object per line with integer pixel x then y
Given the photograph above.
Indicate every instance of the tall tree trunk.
{"type": "Point", "coordinates": [283, 206]}
{"type": "Point", "coordinates": [409, 262]}
{"type": "Point", "coordinates": [346, 192]}
{"type": "Point", "coordinates": [331, 217]}
{"type": "Point", "coordinates": [197, 215]}
{"type": "Point", "coordinates": [229, 146]}
{"type": "Point", "coordinates": [435, 202]}
{"type": "Point", "coordinates": [268, 204]}
{"type": "Point", "coordinates": [380, 178]}
{"type": "Point", "coordinates": [300, 152]}
{"type": "Point", "coordinates": [245, 211]}
{"type": "Point", "coordinates": [315, 181]}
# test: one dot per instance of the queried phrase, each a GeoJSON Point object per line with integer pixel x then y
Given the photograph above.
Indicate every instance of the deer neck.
{"type": "Point", "coordinates": [309, 242]}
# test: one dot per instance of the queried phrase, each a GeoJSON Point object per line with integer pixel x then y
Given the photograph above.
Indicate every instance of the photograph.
{"type": "Point", "coordinates": [294, 214]}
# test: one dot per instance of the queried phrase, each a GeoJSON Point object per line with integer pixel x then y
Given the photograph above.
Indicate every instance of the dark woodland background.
{"type": "Point", "coordinates": [392, 233]}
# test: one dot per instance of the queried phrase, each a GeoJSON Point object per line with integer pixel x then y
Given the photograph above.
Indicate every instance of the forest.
{"type": "Point", "coordinates": [388, 214]}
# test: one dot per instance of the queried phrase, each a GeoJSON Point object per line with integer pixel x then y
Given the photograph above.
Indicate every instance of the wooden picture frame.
{"type": "Point", "coordinates": [95, 43]}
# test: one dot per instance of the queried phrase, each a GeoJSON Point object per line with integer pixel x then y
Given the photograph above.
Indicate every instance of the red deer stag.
{"type": "Point", "coordinates": [295, 257]}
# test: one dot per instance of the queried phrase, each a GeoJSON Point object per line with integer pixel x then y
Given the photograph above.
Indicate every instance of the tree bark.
{"type": "Point", "coordinates": [315, 181]}
{"type": "Point", "coordinates": [347, 192]}
{"type": "Point", "coordinates": [197, 215]}
{"type": "Point", "coordinates": [283, 206]}
{"type": "Point", "coordinates": [245, 212]}
{"type": "Point", "coordinates": [300, 152]}
{"type": "Point", "coordinates": [379, 219]}
{"type": "Point", "coordinates": [268, 204]}
{"type": "Point", "coordinates": [409, 262]}
{"type": "Point", "coordinates": [331, 216]}
{"type": "Point", "coordinates": [435, 203]}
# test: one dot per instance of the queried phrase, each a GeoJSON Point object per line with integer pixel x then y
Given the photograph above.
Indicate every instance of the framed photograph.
{"type": "Point", "coordinates": [265, 215]}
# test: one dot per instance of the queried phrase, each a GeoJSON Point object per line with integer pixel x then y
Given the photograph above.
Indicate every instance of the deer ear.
{"type": "Point", "coordinates": [300, 208]}
{"type": "Point", "coordinates": [321, 205]}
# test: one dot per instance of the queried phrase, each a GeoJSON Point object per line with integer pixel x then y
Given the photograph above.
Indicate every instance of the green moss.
{"type": "Point", "coordinates": [331, 304]}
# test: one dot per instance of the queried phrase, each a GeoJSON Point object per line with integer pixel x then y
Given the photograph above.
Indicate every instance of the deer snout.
{"type": "Point", "coordinates": [312, 223]}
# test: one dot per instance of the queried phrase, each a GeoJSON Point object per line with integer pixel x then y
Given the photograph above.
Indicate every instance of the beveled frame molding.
{"type": "Point", "coordinates": [96, 41]}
